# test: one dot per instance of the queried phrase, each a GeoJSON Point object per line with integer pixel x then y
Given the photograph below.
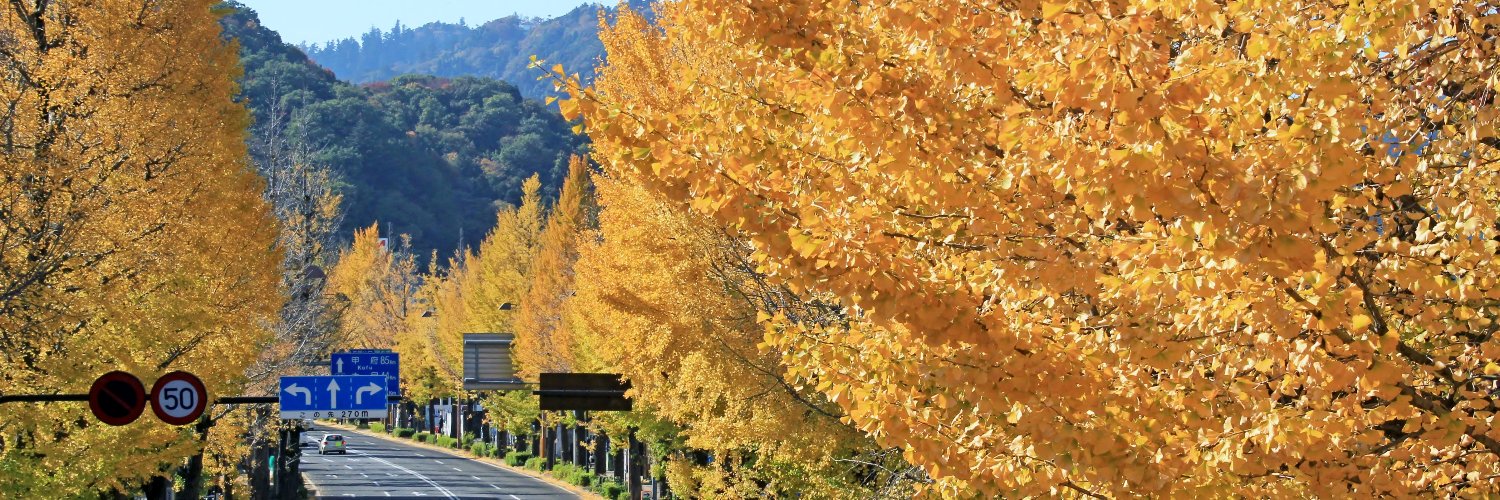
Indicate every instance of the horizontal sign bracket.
{"type": "Point", "coordinates": [42, 398]}
{"type": "Point", "coordinates": [581, 393]}
{"type": "Point", "coordinates": [227, 400]}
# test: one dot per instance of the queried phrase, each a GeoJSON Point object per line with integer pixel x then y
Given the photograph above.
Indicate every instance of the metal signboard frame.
{"type": "Point", "coordinates": [583, 391]}
{"type": "Point", "coordinates": [488, 365]}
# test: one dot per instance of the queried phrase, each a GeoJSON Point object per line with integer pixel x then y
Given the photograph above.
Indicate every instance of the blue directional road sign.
{"type": "Point", "coordinates": [333, 396]}
{"type": "Point", "coordinates": [370, 363]}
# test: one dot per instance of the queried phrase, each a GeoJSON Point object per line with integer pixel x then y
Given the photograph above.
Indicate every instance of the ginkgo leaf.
{"type": "Point", "coordinates": [1050, 9]}
{"type": "Point", "coordinates": [1223, 198]}
{"type": "Point", "coordinates": [1359, 323]}
{"type": "Point", "coordinates": [135, 235]}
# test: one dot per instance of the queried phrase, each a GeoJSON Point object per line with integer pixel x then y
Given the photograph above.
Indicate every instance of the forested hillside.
{"type": "Point", "coordinates": [422, 155]}
{"type": "Point", "coordinates": [501, 48]}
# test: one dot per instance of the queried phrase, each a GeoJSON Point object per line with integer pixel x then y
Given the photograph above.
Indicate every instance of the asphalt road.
{"type": "Point", "coordinates": [377, 468]}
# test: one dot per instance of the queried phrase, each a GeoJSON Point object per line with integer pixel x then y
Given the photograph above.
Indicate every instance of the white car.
{"type": "Point", "coordinates": [332, 443]}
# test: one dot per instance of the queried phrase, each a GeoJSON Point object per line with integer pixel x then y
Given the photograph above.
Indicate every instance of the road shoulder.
{"type": "Point", "coordinates": [582, 493]}
{"type": "Point", "coordinates": [307, 484]}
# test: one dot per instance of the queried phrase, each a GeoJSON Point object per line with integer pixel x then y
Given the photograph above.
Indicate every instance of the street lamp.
{"type": "Point", "coordinates": [506, 306]}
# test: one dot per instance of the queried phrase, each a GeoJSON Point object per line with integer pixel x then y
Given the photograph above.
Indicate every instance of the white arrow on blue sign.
{"type": "Point", "coordinates": [370, 363]}
{"type": "Point", "coordinates": [335, 396]}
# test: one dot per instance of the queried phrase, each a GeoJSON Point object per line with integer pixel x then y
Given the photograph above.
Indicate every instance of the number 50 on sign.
{"type": "Point", "coordinates": [178, 398]}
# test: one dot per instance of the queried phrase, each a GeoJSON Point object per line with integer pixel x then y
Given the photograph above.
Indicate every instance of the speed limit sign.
{"type": "Point", "coordinates": [178, 398]}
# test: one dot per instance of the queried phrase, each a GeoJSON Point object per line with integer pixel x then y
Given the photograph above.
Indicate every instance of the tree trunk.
{"type": "Point", "coordinates": [580, 453]}
{"type": "Point", "coordinates": [617, 460]}
{"type": "Point", "coordinates": [192, 485]}
{"type": "Point", "coordinates": [634, 465]}
{"type": "Point", "coordinates": [544, 448]}
{"type": "Point", "coordinates": [158, 488]}
{"type": "Point", "coordinates": [601, 453]}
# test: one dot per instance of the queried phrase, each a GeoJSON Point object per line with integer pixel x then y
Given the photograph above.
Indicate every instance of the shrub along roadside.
{"type": "Point", "coordinates": [576, 475]}
{"type": "Point", "coordinates": [483, 449]}
{"type": "Point", "coordinates": [517, 458]}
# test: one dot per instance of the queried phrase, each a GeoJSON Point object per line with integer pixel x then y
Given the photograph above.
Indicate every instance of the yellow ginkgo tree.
{"type": "Point", "coordinates": [669, 300]}
{"type": "Point", "coordinates": [544, 340]}
{"type": "Point", "coordinates": [374, 284]}
{"type": "Point", "coordinates": [133, 235]}
{"type": "Point", "coordinates": [1105, 248]}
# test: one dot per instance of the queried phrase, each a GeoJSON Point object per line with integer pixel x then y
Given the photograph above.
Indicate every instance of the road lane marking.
{"type": "Point", "coordinates": [424, 479]}
{"type": "Point", "coordinates": [495, 487]}
{"type": "Point", "coordinates": [513, 496]}
{"type": "Point", "coordinates": [458, 469]}
{"type": "Point", "coordinates": [476, 478]}
{"type": "Point", "coordinates": [503, 470]}
{"type": "Point", "coordinates": [386, 493]}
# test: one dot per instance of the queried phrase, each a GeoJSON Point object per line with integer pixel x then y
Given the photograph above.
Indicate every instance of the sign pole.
{"type": "Point", "coordinates": [42, 398]}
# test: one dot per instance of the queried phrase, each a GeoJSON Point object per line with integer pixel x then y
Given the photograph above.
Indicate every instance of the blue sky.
{"type": "Point", "coordinates": [318, 21]}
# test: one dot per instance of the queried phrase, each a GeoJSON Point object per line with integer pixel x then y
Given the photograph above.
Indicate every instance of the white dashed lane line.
{"type": "Point", "coordinates": [424, 479]}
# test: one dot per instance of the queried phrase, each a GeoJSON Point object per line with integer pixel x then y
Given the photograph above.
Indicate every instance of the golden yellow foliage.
{"type": "Point", "coordinates": [132, 231]}
{"type": "Point", "coordinates": [1112, 248]}
{"type": "Point", "coordinates": [374, 287]}
{"type": "Point", "coordinates": [543, 340]}
{"type": "Point", "coordinates": [670, 301]}
{"type": "Point", "coordinates": [501, 272]}
{"type": "Point", "coordinates": [438, 330]}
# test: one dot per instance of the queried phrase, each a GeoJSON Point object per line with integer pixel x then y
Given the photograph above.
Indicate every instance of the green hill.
{"type": "Point", "coordinates": [425, 155]}
{"type": "Point", "coordinates": [501, 49]}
